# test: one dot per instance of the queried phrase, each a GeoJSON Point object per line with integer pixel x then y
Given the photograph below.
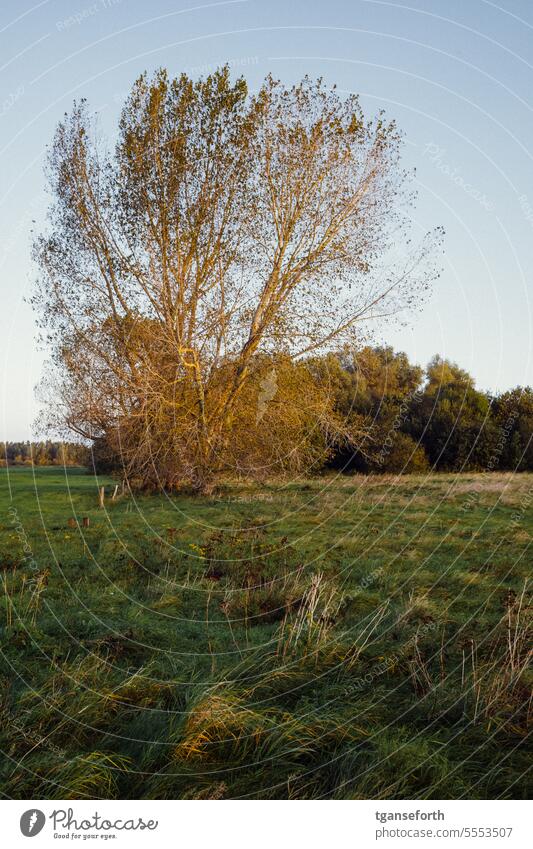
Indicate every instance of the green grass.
{"type": "Point", "coordinates": [328, 638]}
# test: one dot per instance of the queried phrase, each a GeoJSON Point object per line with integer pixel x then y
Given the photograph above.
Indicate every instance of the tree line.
{"type": "Point", "coordinates": [47, 453]}
{"type": "Point", "coordinates": [191, 270]}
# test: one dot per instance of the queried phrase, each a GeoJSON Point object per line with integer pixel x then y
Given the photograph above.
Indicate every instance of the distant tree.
{"type": "Point", "coordinates": [441, 372]}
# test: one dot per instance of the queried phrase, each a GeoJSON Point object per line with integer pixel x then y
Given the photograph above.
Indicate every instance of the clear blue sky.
{"type": "Point", "coordinates": [458, 77]}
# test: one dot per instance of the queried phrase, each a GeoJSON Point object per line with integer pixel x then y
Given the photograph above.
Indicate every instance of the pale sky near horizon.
{"type": "Point", "coordinates": [457, 76]}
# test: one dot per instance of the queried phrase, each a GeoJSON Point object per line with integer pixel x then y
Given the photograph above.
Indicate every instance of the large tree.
{"type": "Point", "coordinates": [188, 272]}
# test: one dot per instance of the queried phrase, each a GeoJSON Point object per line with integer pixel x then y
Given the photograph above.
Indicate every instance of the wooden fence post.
{"type": "Point", "coordinates": [101, 496]}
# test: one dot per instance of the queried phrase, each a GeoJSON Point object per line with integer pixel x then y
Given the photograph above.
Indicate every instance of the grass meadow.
{"type": "Point", "coordinates": [340, 637]}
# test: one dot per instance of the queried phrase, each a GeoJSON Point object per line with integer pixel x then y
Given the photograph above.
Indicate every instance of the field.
{"type": "Point", "coordinates": [342, 638]}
